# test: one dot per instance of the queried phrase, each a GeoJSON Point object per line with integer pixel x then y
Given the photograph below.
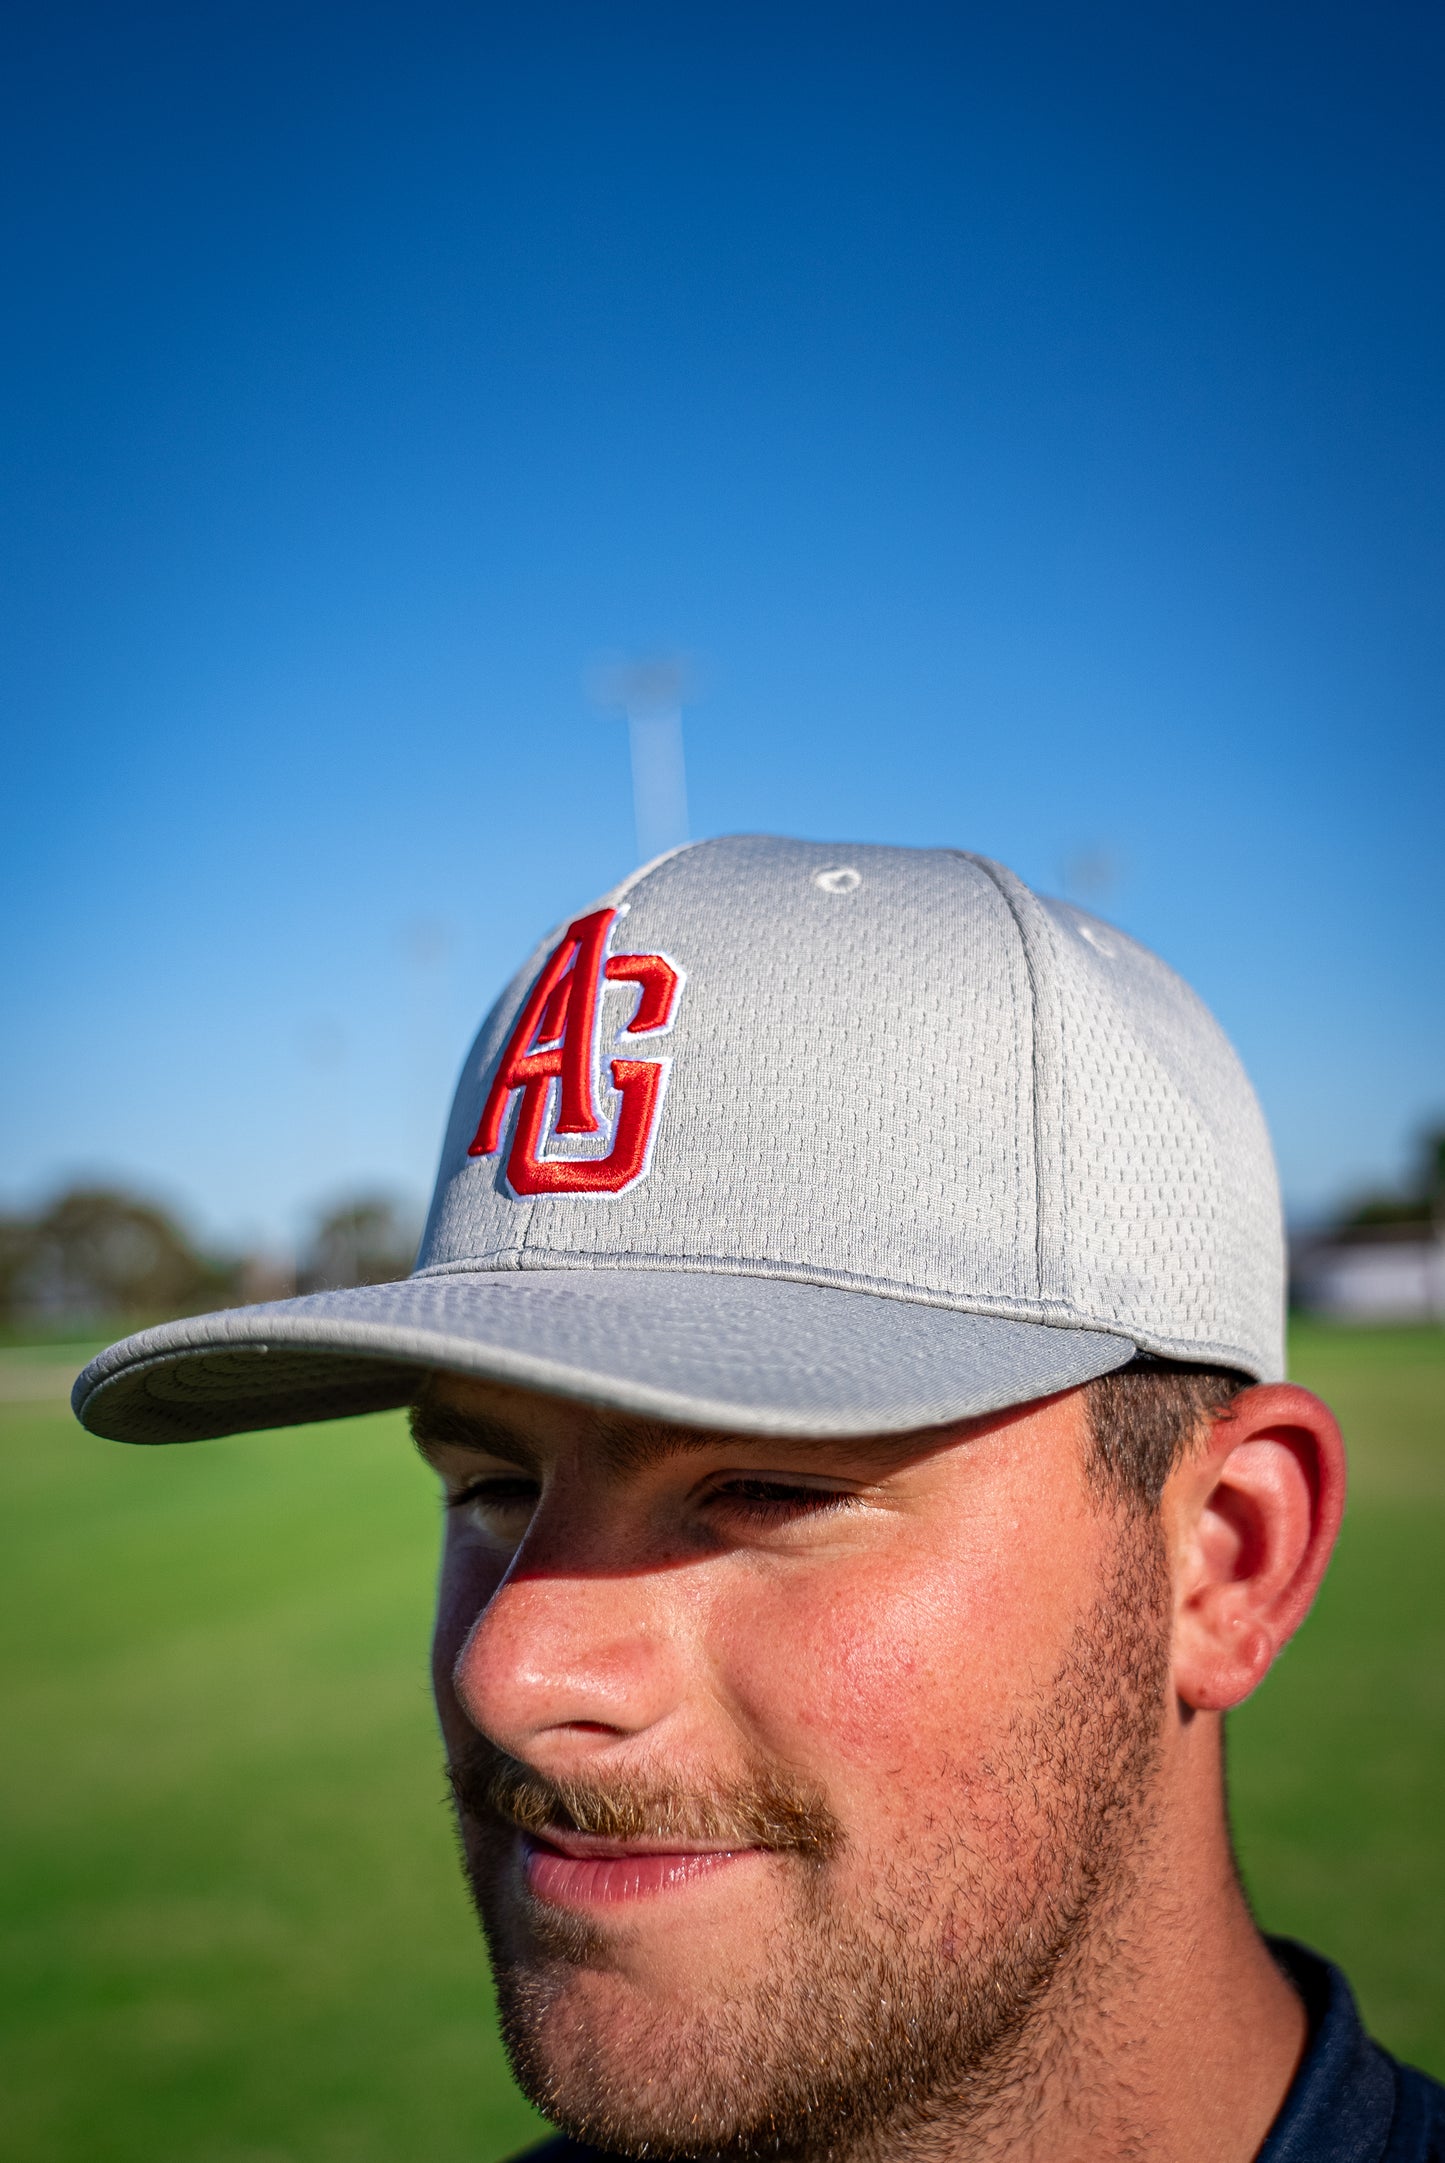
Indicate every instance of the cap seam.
{"type": "Point", "coordinates": [1054, 1313]}
{"type": "Point", "coordinates": [561, 1259]}
{"type": "Point", "coordinates": [1050, 1183]}
{"type": "Point", "coordinates": [983, 865]}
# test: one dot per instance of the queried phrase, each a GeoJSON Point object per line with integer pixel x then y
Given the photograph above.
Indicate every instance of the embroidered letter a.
{"type": "Point", "coordinates": [552, 1051]}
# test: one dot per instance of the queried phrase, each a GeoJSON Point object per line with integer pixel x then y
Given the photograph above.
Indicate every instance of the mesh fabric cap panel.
{"type": "Point", "coordinates": [850, 1097]}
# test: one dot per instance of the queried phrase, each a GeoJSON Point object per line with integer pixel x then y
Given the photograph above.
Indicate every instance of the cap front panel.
{"type": "Point", "coordinates": [848, 1086]}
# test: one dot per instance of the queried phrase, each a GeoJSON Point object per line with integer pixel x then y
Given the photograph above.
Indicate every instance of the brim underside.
{"type": "Point", "coordinates": [750, 1355]}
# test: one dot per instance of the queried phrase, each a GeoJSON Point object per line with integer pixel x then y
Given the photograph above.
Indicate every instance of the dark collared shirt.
{"type": "Point", "coordinates": [1350, 2101]}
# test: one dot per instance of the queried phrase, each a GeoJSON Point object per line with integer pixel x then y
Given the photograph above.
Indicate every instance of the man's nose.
{"type": "Point", "coordinates": [559, 1664]}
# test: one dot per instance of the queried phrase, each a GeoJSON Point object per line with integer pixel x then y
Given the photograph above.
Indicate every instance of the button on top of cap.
{"type": "Point", "coordinates": [1095, 938]}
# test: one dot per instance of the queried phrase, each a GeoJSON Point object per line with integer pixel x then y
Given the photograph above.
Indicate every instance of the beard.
{"type": "Point", "coordinates": [889, 1991]}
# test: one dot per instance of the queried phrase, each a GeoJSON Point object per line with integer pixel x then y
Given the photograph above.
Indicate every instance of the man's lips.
{"type": "Point", "coordinates": [577, 1870]}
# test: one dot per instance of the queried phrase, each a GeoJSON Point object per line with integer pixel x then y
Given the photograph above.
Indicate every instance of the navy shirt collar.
{"type": "Point", "coordinates": [1341, 2105]}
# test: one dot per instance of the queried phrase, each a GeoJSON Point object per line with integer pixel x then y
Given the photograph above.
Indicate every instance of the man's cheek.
{"type": "Point", "coordinates": [874, 1675]}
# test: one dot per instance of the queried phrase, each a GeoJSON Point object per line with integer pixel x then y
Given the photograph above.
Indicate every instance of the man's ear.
{"type": "Point", "coordinates": [1251, 1520]}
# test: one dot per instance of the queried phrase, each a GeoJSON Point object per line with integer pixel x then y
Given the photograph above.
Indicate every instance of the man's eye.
{"type": "Point", "coordinates": [501, 1495]}
{"type": "Point", "coordinates": [773, 1501]}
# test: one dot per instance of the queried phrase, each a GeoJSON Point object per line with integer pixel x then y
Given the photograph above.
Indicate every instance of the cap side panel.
{"type": "Point", "coordinates": [1177, 1217]}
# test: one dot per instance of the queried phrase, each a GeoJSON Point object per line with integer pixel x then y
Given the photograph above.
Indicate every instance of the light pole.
{"type": "Point", "coordinates": [651, 692]}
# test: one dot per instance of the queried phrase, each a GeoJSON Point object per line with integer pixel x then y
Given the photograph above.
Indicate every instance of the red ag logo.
{"type": "Point", "coordinates": [554, 1042]}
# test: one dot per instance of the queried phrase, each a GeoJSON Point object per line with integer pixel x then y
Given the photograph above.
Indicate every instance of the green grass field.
{"type": "Point", "coordinates": [233, 1925]}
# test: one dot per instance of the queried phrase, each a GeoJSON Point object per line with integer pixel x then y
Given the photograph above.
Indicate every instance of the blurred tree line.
{"type": "Point", "coordinates": [98, 1256]}
{"type": "Point", "coordinates": [100, 1259]}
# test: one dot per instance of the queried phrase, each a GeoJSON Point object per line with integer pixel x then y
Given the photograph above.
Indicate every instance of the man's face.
{"type": "Point", "coordinates": [791, 1775]}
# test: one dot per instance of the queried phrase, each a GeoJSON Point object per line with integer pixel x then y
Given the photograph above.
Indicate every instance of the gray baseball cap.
{"type": "Point", "coordinates": [788, 1137]}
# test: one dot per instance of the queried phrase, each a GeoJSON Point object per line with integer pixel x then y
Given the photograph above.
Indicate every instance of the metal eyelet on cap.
{"type": "Point", "coordinates": [839, 879]}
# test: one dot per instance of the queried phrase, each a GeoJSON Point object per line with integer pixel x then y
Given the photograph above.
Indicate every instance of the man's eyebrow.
{"type": "Point", "coordinates": [634, 1445]}
{"type": "Point", "coordinates": [640, 1443]}
{"type": "Point", "coordinates": [440, 1426]}
{"type": "Point", "coordinates": [625, 1447]}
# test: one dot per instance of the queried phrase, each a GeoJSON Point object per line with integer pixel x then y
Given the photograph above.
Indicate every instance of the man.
{"type": "Point", "coordinates": [849, 1335]}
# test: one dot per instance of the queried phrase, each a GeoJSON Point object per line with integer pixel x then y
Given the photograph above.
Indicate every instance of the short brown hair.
{"type": "Point", "coordinates": [1142, 1419]}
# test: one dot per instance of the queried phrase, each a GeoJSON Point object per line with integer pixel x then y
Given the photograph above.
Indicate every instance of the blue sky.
{"type": "Point", "coordinates": [1031, 420]}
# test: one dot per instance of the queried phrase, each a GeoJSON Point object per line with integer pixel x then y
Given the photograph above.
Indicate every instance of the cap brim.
{"type": "Point", "coordinates": [755, 1355]}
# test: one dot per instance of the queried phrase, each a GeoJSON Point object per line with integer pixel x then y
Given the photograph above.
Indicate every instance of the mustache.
{"type": "Point", "coordinates": [766, 1810]}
